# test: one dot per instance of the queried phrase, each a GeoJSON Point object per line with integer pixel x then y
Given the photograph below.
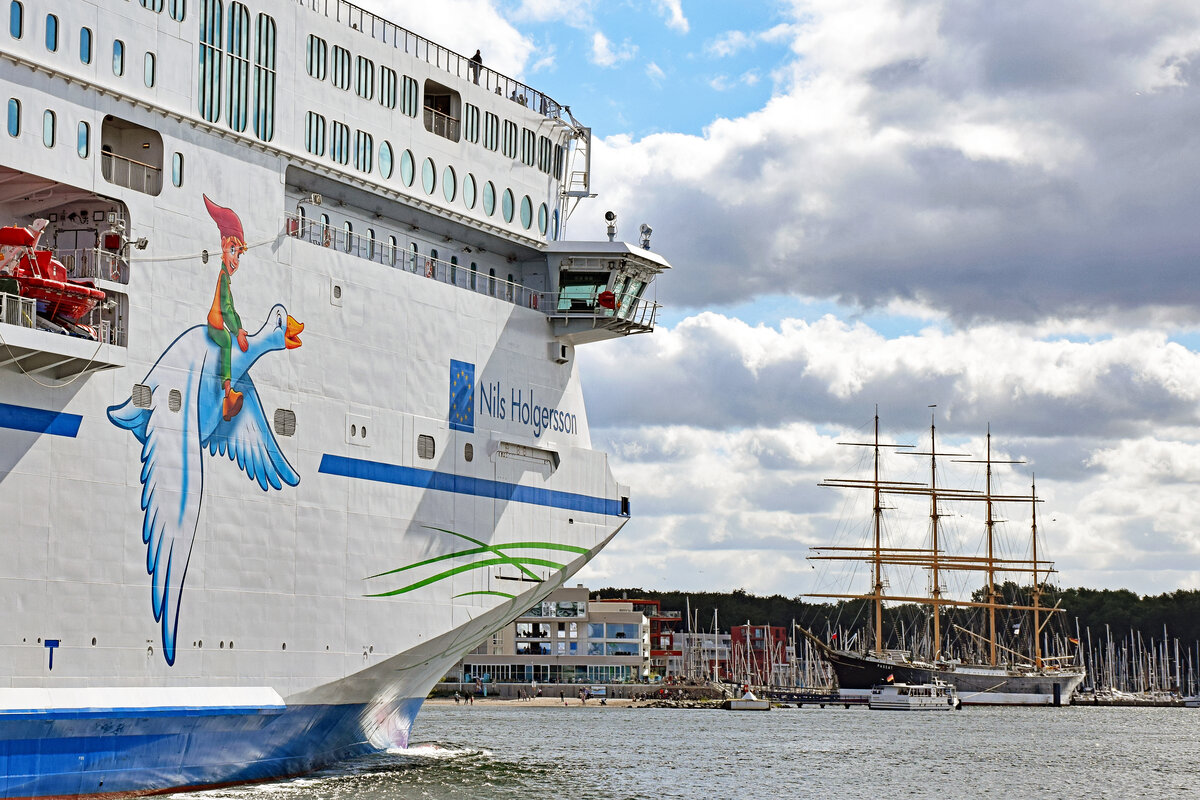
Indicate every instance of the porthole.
{"type": "Point", "coordinates": [406, 167]}
{"type": "Point", "coordinates": [543, 216]}
{"type": "Point", "coordinates": [385, 160]}
{"type": "Point", "coordinates": [353, 430]}
{"type": "Point", "coordinates": [85, 45]}
{"type": "Point", "coordinates": [118, 61]}
{"type": "Point", "coordinates": [506, 205]}
{"type": "Point", "coordinates": [468, 192]}
{"type": "Point", "coordinates": [175, 400]}
{"type": "Point", "coordinates": [362, 432]}
{"type": "Point", "coordinates": [52, 33]}
{"type": "Point", "coordinates": [449, 184]}
{"type": "Point", "coordinates": [526, 212]}
{"type": "Point", "coordinates": [428, 175]}
{"type": "Point", "coordinates": [425, 446]}
{"type": "Point", "coordinates": [489, 198]}
{"type": "Point", "coordinates": [93, 641]}
{"type": "Point", "coordinates": [468, 452]}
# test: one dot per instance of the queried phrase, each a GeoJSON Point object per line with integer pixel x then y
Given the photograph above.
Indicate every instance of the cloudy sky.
{"type": "Point", "coordinates": [987, 207]}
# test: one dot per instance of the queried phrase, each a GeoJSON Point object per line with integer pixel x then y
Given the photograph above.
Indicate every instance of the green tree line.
{"type": "Point", "coordinates": [1121, 610]}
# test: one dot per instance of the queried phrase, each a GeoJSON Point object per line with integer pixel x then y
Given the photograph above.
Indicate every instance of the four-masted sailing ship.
{"type": "Point", "coordinates": [992, 674]}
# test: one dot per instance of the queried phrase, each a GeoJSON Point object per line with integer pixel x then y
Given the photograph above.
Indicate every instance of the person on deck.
{"type": "Point", "coordinates": [223, 321]}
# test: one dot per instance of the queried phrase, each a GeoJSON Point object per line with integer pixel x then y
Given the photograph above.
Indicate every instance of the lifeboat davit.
{"type": "Point", "coordinates": [43, 278]}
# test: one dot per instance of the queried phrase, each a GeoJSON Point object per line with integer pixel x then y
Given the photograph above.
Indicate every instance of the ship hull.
{"type": "Point", "coordinates": [857, 673]}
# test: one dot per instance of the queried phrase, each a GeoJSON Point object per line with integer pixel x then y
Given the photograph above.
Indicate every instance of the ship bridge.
{"type": "Point", "coordinates": [598, 290]}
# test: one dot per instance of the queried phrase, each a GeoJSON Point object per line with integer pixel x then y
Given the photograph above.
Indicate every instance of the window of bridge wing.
{"type": "Point", "coordinates": [579, 289]}
{"type": "Point", "coordinates": [443, 110]}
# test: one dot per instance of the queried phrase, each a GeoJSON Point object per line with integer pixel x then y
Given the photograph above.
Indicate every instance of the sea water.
{"type": "Point", "coordinates": [512, 750]}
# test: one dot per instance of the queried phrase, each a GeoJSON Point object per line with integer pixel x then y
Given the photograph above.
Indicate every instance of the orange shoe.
{"type": "Point", "coordinates": [232, 403]}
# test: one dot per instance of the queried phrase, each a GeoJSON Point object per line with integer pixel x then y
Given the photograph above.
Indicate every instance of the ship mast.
{"type": "Point", "coordinates": [1037, 587]}
{"type": "Point", "coordinates": [878, 563]}
{"type": "Point", "coordinates": [991, 545]}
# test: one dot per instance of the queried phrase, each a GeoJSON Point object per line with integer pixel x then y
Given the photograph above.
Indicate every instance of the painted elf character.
{"type": "Point", "coordinates": [223, 321]}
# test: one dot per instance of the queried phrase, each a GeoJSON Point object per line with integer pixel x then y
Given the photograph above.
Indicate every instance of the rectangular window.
{"type": "Point", "coordinates": [471, 123]}
{"type": "Point", "coordinates": [238, 47]}
{"type": "Point", "coordinates": [178, 10]}
{"type": "Point", "coordinates": [491, 131]}
{"type": "Point", "coordinates": [387, 87]}
{"type": "Point", "coordinates": [364, 149]}
{"type": "Point", "coordinates": [508, 145]}
{"type": "Point", "coordinates": [364, 78]}
{"type": "Point", "coordinates": [528, 147]}
{"type": "Point", "coordinates": [264, 78]}
{"type": "Point", "coordinates": [559, 154]}
{"type": "Point", "coordinates": [314, 133]}
{"type": "Point", "coordinates": [544, 154]}
{"type": "Point", "coordinates": [410, 96]}
{"type": "Point", "coordinates": [317, 57]}
{"type": "Point", "coordinates": [339, 73]}
{"type": "Point", "coordinates": [118, 57]}
{"type": "Point", "coordinates": [211, 58]}
{"type": "Point", "coordinates": [339, 143]}
{"type": "Point", "coordinates": [148, 75]}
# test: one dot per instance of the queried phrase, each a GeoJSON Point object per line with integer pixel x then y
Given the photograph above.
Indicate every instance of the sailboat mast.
{"type": "Point", "coordinates": [991, 558]}
{"type": "Point", "coordinates": [1037, 587]}
{"type": "Point", "coordinates": [877, 560]}
{"type": "Point", "coordinates": [936, 593]}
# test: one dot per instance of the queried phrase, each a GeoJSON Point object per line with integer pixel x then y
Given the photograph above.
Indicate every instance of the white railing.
{"type": "Point", "coordinates": [443, 125]}
{"type": "Point", "coordinates": [122, 171]}
{"type": "Point", "coordinates": [402, 256]}
{"type": "Point", "coordinates": [17, 310]}
{"type": "Point", "coordinates": [94, 263]}
{"type": "Point", "coordinates": [358, 19]}
{"type": "Point", "coordinates": [628, 311]}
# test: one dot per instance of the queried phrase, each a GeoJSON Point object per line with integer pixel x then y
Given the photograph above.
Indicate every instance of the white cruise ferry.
{"type": "Point", "coordinates": [289, 411]}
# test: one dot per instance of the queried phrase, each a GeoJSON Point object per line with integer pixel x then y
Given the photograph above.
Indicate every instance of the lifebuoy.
{"type": "Point", "coordinates": [533, 301]}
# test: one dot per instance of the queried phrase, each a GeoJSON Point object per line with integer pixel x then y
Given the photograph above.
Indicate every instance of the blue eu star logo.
{"type": "Point", "coordinates": [462, 396]}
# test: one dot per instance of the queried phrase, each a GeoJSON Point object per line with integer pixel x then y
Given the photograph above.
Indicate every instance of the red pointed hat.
{"type": "Point", "coordinates": [227, 221]}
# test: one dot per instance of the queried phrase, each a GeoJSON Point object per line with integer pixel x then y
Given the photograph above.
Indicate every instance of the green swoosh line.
{"type": "Point", "coordinates": [485, 549]}
{"type": "Point", "coordinates": [498, 594]}
{"type": "Point", "coordinates": [491, 548]}
{"type": "Point", "coordinates": [491, 562]}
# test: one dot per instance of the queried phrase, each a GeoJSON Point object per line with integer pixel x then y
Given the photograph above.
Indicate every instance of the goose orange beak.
{"type": "Point", "coordinates": [291, 337]}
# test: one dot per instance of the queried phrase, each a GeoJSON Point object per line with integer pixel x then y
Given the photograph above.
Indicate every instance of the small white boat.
{"type": "Point", "coordinates": [937, 696]}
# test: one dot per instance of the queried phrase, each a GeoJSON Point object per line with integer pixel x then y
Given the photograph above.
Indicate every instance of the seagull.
{"type": "Point", "coordinates": [173, 447]}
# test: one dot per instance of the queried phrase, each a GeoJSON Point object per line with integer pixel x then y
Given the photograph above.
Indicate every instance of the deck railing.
{"type": "Point", "coordinates": [17, 310]}
{"type": "Point", "coordinates": [363, 21]}
{"type": "Point", "coordinates": [443, 125]}
{"type": "Point", "coordinates": [402, 256]}
{"type": "Point", "coordinates": [122, 171]}
{"type": "Point", "coordinates": [94, 263]}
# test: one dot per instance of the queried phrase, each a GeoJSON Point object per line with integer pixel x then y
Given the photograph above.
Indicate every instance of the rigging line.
{"type": "Point", "coordinates": [188, 256]}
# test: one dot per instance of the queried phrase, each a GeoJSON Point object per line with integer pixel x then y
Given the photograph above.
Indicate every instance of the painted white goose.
{"type": "Point", "coordinates": [173, 447]}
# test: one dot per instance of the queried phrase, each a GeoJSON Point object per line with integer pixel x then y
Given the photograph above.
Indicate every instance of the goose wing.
{"type": "Point", "coordinates": [248, 441]}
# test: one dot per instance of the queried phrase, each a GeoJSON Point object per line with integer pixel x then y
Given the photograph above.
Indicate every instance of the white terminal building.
{"type": "Point", "coordinates": [566, 638]}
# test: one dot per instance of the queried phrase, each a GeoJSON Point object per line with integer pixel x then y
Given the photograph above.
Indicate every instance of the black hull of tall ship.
{"type": "Point", "coordinates": [859, 671]}
{"type": "Point", "coordinates": [976, 685]}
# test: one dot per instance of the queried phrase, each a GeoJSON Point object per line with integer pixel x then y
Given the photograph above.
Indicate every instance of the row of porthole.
{"type": "Point", "coordinates": [83, 139]}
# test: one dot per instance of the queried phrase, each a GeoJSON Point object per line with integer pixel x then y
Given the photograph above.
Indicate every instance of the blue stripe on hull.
{"type": "Point", "coordinates": [57, 754]}
{"type": "Point", "coordinates": [37, 420]}
{"type": "Point", "coordinates": [462, 484]}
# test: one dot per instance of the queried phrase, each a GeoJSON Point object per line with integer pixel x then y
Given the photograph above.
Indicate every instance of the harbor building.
{"type": "Point", "coordinates": [566, 638]}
